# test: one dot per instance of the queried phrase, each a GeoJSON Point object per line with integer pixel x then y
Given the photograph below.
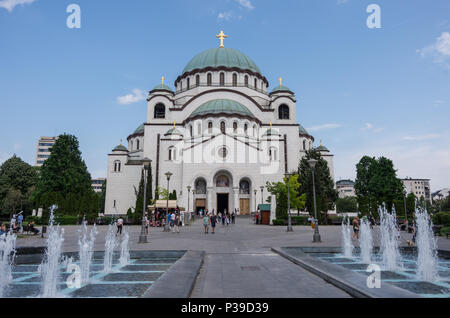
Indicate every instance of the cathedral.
{"type": "Point", "coordinates": [221, 134]}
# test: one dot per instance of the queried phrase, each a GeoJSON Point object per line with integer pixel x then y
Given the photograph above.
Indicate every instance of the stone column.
{"type": "Point", "coordinates": [236, 198]}
{"type": "Point", "coordinates": [209, 193]}
{"type": "Point", "coordinates": [273, 207]}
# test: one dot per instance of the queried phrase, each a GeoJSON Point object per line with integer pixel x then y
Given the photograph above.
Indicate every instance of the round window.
{"type": "Point", "coordinates": [223, 152]}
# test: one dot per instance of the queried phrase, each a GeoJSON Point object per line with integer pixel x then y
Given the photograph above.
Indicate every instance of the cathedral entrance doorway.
{"type": "Point", "coordinates": [223, 203]}
{"type": "Point", "coordinates": [244, 206]}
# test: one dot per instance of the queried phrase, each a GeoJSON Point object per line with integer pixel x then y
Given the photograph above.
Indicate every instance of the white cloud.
{"type": "Point", "coordinates": [10, 4]}
{"type": "Point", "coordinates": [246, 4]}
{"type": "Point", "coordinates": [422, 137]}
{"type": "Point", "coordinates": [324, 127]}
{"type": "Point", "coordinates": [439, 51]}
{"type": "Point", "coordinates": [225, 15]}
{"type": "Point", "coordinates": [135, 97]}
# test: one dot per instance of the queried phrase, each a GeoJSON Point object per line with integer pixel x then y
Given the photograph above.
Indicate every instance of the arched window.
{"type": "Point", "coordinates": [209, 79]}
{"type": "Point", "coordinates": [304, 145]}
{"type": "Point", "coordinates": [273, 154]}
{"type": "Point", "coordinates": [200, 186]}
{"type": "Point", "coordinates": [254, 130]}
{"type": "Point", "coordinates": [181, 85]}
{"type": "Point", "coordinates": [245, 129]}
{"type": "Point", "coordinates": [256, 83]}
{"type": "Point", "coordinates": [131, 145]}
{"type": "Point", "coordinates": [222, 79]}
{"type": "Point", "coordinates": [137, 144]}
{"type": "Point", "coordinates": [160, 111]}
{"type": "Point", "coordinates": [222, 127]}
{"type": "Point", "coordinates": [234, 79]}
{"type": "Point", "coordinates": [191, 132]}
{"type": "Point", "coordinates": [222, 182]}
{"type": "Point", "coordinates": [235, 126]}
{"type": "Point", "coordinates": [210, 126]}
{"type": "Point", "coordinates": [246, 80]}
{"type": "Point", "coordinates": [172, 154]}
{"type": "Point", "coordinates": [188, 83]}
{"type": "Point", "coordinates": [244, 187]}
{"type": "Point", "coordinates": [117, 166]}
{"type": "Point", "coordinates": [197, 80]}
{"type": "Point", "coordinates": [283, 112]}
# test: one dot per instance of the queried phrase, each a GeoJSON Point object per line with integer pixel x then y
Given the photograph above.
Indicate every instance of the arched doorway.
{"type": "Point", "coordinates": [200, 195]}
{"type": "Point", "coordinates": [244, 196]}
{"type": "Point", "coordinates": [223, 183]}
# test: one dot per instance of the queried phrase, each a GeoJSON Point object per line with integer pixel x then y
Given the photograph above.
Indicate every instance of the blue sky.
{"type": "Point", "coordinates": [362, 91]}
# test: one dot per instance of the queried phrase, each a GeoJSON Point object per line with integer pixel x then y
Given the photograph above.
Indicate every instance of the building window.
{"type": "Point", "coordinates": [223, 153]}
{"type": "Point", "coordinates": [188, 83]}
{"type": "Point", "coordinates": [172, 154]}
{"type": "Point", "coordinates": [222, 127]}
{"type": "Point", "coordinates": [222, 182]}
{"type": "Point", "coordinates": [222, 79]}
{"type": "Point", "coordinates": [114, 204]}
{"type": "Point", "coordinates": [181, 85]}
{"type": "Point", "coordinates": [209, 79]}
{"type": "Point", "coordinates": [210, 126]}
{"type": "Point", "coordinates": [160, 111]}
{"type": "Point", "coordinates": [256, 83]}
{"type": "Point", "coordinates": [137, 145]}
{"type": "Point", "coordinates": [273, 155]}
{"type": "Point", "coordinates": [234, 79]}
{"type": "Point", "coordinates": [197, 80]}
{"type": "Point", "coordinates": [191, 132]}
{"type": "Point", "coordinates": [235, 126]}
{"type": "Point", "coordinates": [304, 145]}
{"type": "Point", "coordinates": [246, 80]}
{"type": "Point", "coordinates": [131, 145]}
{"type": "Point", "coordinates": [117, 166]}
{"type": "Point", "coordinates": [244, 187]}
{"type": "Point", "coordinates": [283, 112]}
{"type": "Point", "coordinates": [254, 130]}
{"type": "Point", "coordinates": [200, 186]}
{"type": "Point", "coordinates": [245, 129]}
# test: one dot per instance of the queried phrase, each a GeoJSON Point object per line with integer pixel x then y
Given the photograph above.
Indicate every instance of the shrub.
{"type": "Point", "coordinates": [296, 220]}
{"type": "Point", "coordinates": [442, 218]}
{"type": "Point", "coordinates": [66, 220]}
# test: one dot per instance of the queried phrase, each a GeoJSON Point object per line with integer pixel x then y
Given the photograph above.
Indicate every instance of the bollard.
{"type": "Point", "coordinates": [44, 230]}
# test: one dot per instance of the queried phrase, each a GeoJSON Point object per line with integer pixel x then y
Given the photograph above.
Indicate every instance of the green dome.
{"type": "Point", "coordinates": [281, 88]}
{"type": "Point", "coordinates": [139, 130]}
{"type": "Point", "coordinates": [225, 57]}
{"type": "Point", "coordinates": [302, 130]}
{"type": "Point", "coordinates": [322, 148]}
{"type": "Point", "coordinates": [162, 87]}
{"type": "Point", "coordinates": [174, 131]}
{"type": "Point", "coordinates": [271, 132]}
{"type": "Point", "coordinates": [222, 106]}
{"type": "Point", "coordinates": [120, 148]}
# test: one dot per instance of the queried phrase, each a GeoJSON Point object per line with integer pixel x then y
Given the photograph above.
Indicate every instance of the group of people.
{"type": "Point", "coordinates": [211, 219]}
{"type": "Point", "coordinates": [16, 225]}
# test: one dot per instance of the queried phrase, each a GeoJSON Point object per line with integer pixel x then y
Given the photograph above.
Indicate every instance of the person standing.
{"type": "Point", "coordinates": [20, 220]}
{"type": "Point", "coordinates": [213, 220]}
{"type": "Point", "coordinates": [233, 216]}
{"type": "Point", "coordinates": [206, 223]}
{"type": "Point", "coordinates": [119, 226]}
{"type": "Point", "coordinates": [176, 225]}
{"type": "Point", "coordinates": [147, 223]}
{"type": "Point", "coordinates": [227, 220]}
{"type": "Point", "coordinates": [356, 228]}
{"type": "Point", "coordinates": [172, 221]}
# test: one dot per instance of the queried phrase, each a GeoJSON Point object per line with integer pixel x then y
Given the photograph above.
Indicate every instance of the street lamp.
{"type": "Point", "coordinates": [168, 175]}
{"type": "Point", "coordinates": [316, 237]}
{"type": "Point", "coordinates": [262, 194]}
{"type": "Point", "coordinates": [289, 228]}
{"type": "Point", "coordinates": [189, 194]}
{"type": "Point", "coordinates": [406, 215]}
{"type": "Point", "coordinates": [143, 236]}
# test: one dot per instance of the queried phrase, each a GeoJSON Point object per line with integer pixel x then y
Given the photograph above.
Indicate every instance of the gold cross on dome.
{"type": "Point", "coordinates": [281, 81]}
{"type": "Point", "coordinates": [174, 125]}
{"type": "Point", "coordinates": [270, 125]}
{"type": "Point", "coordinates": [221, 36]}
{"type": "Point", "coordinates": [162, 80]}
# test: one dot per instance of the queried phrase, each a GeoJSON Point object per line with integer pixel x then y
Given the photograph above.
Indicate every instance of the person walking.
{"type": "Point", "coordinates": [213, 221]}
{"type": "Point", "coordinates": [119, 226]}
{"type": "Point", "coordinates": [227, 220]}
{"type": "Point", "coordinates": [176, 226]}
{"type": "Point", "coordinates": [233, 216]}
{"type": "Point", "coordinates": [20, 221]}
{"type": "Point", "coordinates": [206, 221]}
{"type": "Point", "coordinates": [172, 221]}
{"type": "Point", "coordinates": [147, 224]}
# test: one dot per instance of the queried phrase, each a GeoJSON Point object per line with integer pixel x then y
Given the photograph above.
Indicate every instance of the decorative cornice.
{"type": "Point", "coordinates": [227, 115]}
{"type": "Point", "coordinates": [289, 97]}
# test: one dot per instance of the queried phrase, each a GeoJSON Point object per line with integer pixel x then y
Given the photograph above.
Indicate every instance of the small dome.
{"type": "Point", "coordinates": [162, 87]}
{"type": "Point", "coordinates": [222, 106]}
{"type": "Point", "coordinates": [302, 130]}
{"type": "Point", "coordinates": [174, 132]}
{"type": "Point", "coordinates": [120, 148]}
{"type": "Point", "coordinates": [322, 148]}
{"type": "Point", "coordinates": [224, 57]}
{"type": "Point", "coordinates": [281, 88]}
{"type": "Point", "coordinates": [139, 130]}
{"type": "Point", "coordinates": [271, 132]}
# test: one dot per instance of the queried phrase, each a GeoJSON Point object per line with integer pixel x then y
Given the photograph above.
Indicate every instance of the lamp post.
{"type": "Point", "coordinates": [262, 194]}
{"type": "Point", "coordinates": [316, 237]}
{"type": "Point", "coordinates": [404, 202]}
{"type": "Point", "coordinates": [143, 236]}
{"type": "Point", "coordinates": [194, 212]}
{"type": "Point", "coordinates": [189, 194]}
{"type": "Point", "coordinates": [256, 208]}
{"type": "Point", "coordinates": [288, 177]}
{"type": "Point", "coordinates": [168, 175]}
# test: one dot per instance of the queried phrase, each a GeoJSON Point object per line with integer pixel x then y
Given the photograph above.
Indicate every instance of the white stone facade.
{"type": "Point", "coordinates": [177, 141]}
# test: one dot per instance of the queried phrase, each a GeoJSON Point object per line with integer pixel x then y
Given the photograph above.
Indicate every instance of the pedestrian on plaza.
{"type": "Point", "coordinates": [206, 221]}
{"type": "Point", "coordinates": [119, 226]}
{"type": "Point", "coordinates": [12, 225]}
{"type": "Point", "coordinates": [213, 221]}
{"type": "Point", "coordinates": [172, 221]}
{"type": "Point", "coordinates": [176, 226]}
{"type": "Point", "coordinates": [147, 223]}
{"type": "Point", "coordinates": [356, 228]}
{"type": "Point", "coordinates": [20, 220]}
{"type": "Point", "coordinates": [233, 216]}
{"type": "Point", "coordinates": [3, 229]}
{"type": "Point", "coordinates": [227, 220]}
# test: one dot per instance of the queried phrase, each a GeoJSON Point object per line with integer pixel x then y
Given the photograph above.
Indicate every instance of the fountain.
{"type": "Point", "coordinates": [124, 259]}
{"type": "Point", "coordinates": [49, 268]}
{"type": "Point", "coordinates": [7, 253]}
{"type": "Point", "coordinates": [427, 260]}
{"type": "Point", "coordinates": [347, 245]}
{"type": "Point", "coordinates": [389, 240]}
{"type": "Point", "coordinates": [110, 245]}
{"type": "Point", "coordinates": [86, 250]}
{"type": "Point", "coordinates": [365, 241]}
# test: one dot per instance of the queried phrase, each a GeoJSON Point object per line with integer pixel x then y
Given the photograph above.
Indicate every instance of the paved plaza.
{"type": "Point", "coordinates": [238, 260]}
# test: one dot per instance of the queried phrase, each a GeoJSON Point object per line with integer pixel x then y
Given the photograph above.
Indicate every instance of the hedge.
{"type": "Point", "coordinates": [442, 218]}
{"type": "Point", "coordinates": [299, 220]}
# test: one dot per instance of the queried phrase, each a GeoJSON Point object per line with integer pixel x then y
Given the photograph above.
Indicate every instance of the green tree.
{"type": "Point", "coordinates": [12, 201]}
{"type": "Point", "coordinates": [140, 193]}
{"type": "Point", "coordinates": [347, 204]}
{"type": "Point", "coordinates": [161, 193]}
{"type": "Point", "coordinates": [64, 171]}
{"type": "Point", "coordinates": [326, 195]}
{"type": "Point", "coordinates": [280, 190]}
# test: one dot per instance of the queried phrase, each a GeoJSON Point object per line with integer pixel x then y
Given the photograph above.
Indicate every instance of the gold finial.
{"type": "Point", "coordinates": [321, 142]}
{"type": "Point", "coordinates": [270, 125]}
{"type": "Point", "coordinates": [281, 81]}
{"type": "Point", "coordinates": [174, 125]}
{"type": "Point", "coordinates": [162, 80]}
{"type": "Point", "coordinates": [121, 141]}
{"type": "Point", "coordinates": [221, 36]}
